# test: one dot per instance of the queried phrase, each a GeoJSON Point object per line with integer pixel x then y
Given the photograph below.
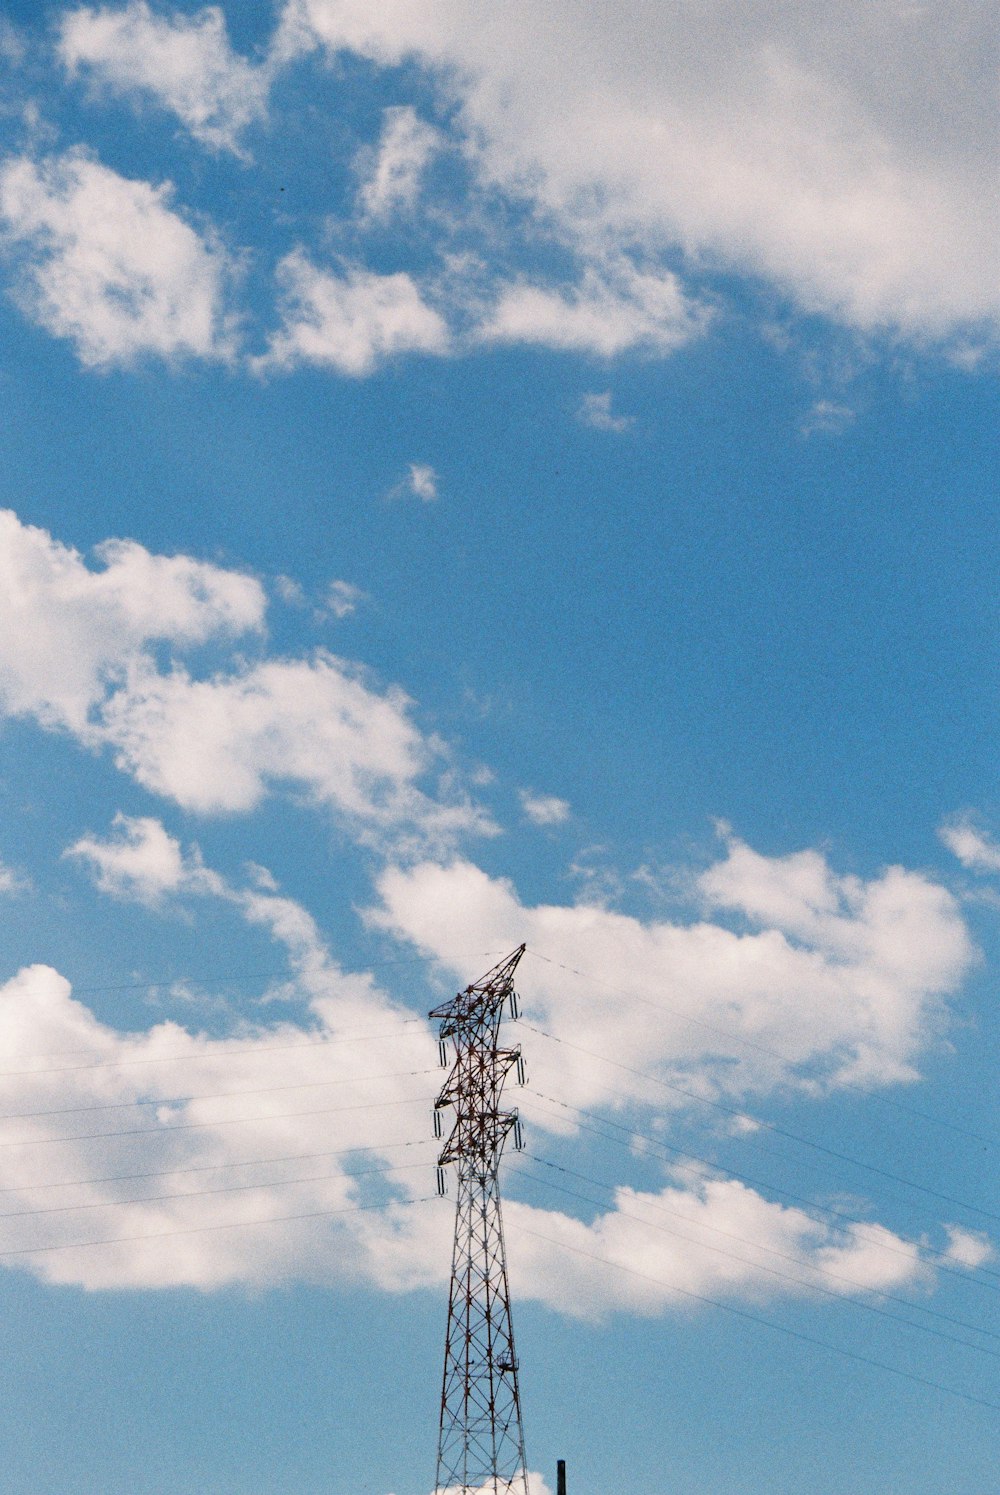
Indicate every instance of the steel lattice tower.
{"type": "Point", "coordinates": [481, 1444]}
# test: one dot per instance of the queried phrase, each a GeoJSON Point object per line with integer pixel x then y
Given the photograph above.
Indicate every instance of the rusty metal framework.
{"type": "Point", "coordinates": [481, 1442]}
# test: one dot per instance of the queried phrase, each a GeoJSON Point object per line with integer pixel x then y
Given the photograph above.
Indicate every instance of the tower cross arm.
{"type": "Point", "coordinates": [486, 994]}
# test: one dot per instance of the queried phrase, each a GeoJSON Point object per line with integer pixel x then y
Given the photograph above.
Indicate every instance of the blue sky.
{"type": "Point", "coordinates": [472, 478]}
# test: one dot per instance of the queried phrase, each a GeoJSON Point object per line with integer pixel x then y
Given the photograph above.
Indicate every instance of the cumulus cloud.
{"type": "Point", "coordinates": [737, 139]}
{"type": "Point", "coordinates": [844, 979]}
{"type": "Point", "coordinates": [543, 809]}
{"type": "Point", "coordinates": [652, 1250]}
{"type": "Point", "coordinates": [106, 262]}
{"type": "Point", "coordinates": [78, 653]}
{"type": "Point", "coordinates": [215, 745]}
{"type": "Point", "coordinates": [69, 633]}
{"type": "Point", "coordinates": [249, 1159]}
{"type": "Point", "coordinates": [184, 62]}
{"type": "Point", "coordinates": [351, 322]}
{"type": "Point", "coordinates": [186, 1147]}
{"type": "Point", "coordinates": [252, 1159]}
{"type": "Point", "coordinates": [972, 846]}
{"type": "Point", "coordinates": [638, 1256]}
{"type": "Point", "coordinates": [832, 155]}
{"type": "Point", "coordinates": [406, 146]}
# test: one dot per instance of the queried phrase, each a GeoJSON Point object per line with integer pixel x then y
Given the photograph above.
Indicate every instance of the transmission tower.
{"type": "Point", "coordinates": [481, 1444]}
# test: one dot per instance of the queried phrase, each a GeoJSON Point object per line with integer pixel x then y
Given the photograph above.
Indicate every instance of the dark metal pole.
{"type": "Point", "coordinates": [561, 1477]}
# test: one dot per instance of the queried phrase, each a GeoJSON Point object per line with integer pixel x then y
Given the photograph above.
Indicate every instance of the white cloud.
{"type": "Point", "coordinates": [209, 1111]}
{"type": "Point", "coordinates": [326, 1102]}
{"type": "Point", "coordinates": [360, 1076]}
{"type": "Point", "coordinates": [543, 809]}
{"type": "Point", "coordinates": [718, 1238]}
{"type": "Point", "coordinates": [216, 745]}
{"type": "Point", "coordinates": [613, 308]}
{"type": "Point", "coordinates": [832, 154]}
{"type": "Point", "coordinates": [652, 1249]}
{"type": "Point", "coordinates": [595, 410]}
{"type": "Point", "coordinates": [185, 62]}
{"type": "Point", "coordinates": [106, 263]}
{"type": "Point", "coordinates": [351, 322]}
{"type": "Point", "coordinates": [69, 633]}
{"type": "Point", "coordinates": [968, 1248]}
{"type": "Point", "coordinates": [421, 481]}
{"type": "Point", "coordinates": [827, 417]}
{"type": "Point", "coordinates": [143, 862]}
{"type": "Point", "coordinates": [973, 849]}
{"type": "Point", "coordinates": [12, 46]}
{"type": "Point", "coordinates": [290, 591]}
{"type": "Point", "coordinates": [536, 1483]}
{"type": "Point", "coordinates": [900, 932]}
{"type": "Point", "coordinates": [844, 979]}
{"type": "Point", "coordinates": [406, 146]}
{"type": "Point", "coordinates": [77, 653]}
{"type": "Point", "coordinates": [342, 598]}
{"type": "Point", "coordinates": [10, 882]}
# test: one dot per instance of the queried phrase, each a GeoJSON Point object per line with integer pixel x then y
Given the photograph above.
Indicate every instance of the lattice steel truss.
{"type": "Point", "coordinates": [481, 1443]}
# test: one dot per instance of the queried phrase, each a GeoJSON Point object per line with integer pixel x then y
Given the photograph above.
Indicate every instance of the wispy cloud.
{"type": "Point", "coordinates": [973, 847]}
{"type": "Point", "coordinates": [11, 881]}
{"type": "Point", "coordinates": [395, 169]}
{"type": "Point", "coordinates": [827, 417]}
{"type": "Point", "coordinates": [595, 410]}
{"type": "Point", "coordinates": [969, 1248]}
{"type": "Point", "coordinates": [421, 481]}
{"type": "Point", "coordinates": [343, 597]}
{"type": "Point", "coordinates": [183, 62]}
{"type": "Point", "coordinates": [543, 809]}
{"type": "Point", "coordinates": [142, 862]}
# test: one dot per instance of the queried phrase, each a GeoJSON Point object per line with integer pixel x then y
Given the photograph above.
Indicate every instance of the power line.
{"type": "Point", "coordinates": [239, 979]}
{"type": "Point", "coordinates": [277, 1183]}
{"type": "Point", "coordinates": [761, 1048]}
{"type": "Point", "coordinates": [290, 1157]}
{"type": "Point", "coordinates": [242, 978]}
{"type": "Point", "coordinates": [772, 1271]}
{"type": "Point", "coordinates": [183, 1100]}
{"type": "Point", "coordinates": [769, 1126]}
{"type": "Point", "coordinates": [755, 1318]}
{"type": "Point", "coordinates": [244, 1048]}
{"type": "Point", "coordinates": [815, 1167]}
{"type": "Point", "coordinates": [963, 1275]}
{"type": "Point", "coordinates": [157, 1235]}
{"type": "Point", "coordinates": [189, 1126]}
